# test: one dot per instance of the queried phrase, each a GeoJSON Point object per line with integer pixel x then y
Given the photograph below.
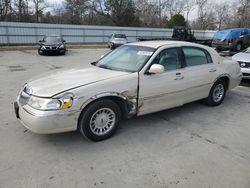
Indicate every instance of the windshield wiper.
{"type": "Point", "coordinates": [105, 67]}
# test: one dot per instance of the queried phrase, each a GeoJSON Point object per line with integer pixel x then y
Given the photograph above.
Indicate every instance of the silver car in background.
{"type": "Point", "coordinates": [243, 59]}
{"type": "Point", "coordinates": [116, 40]}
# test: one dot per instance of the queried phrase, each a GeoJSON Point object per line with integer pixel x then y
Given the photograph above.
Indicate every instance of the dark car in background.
{"type": "Point", "coordinates": [52, 45]}
{"type": "Point", "coordinates": [116, 40]}
{"type": "Point", "coordinates": [235, 39]}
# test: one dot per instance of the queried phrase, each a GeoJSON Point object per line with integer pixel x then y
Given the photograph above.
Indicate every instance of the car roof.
{"type": "Point", "coordinates": [233, 29]}
{"type": "Point", "coordinates": [158, 43]}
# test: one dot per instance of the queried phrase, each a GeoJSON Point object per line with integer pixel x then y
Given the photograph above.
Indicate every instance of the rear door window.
{"type": "Point", "coordinates": [196, 56]}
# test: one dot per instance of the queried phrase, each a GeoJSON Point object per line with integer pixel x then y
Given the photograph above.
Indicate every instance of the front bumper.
{"type": "Point", "coordinates": [222, 46]}
{"type": "Point", "coordinates": [52, 51]}
{"type": "Point", "coordinates": [245, 73]}
{"type": "Point", "coordinates": [46, 122]}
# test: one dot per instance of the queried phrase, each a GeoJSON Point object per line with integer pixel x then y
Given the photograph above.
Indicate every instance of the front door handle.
{"type": "Point", "coordinates": [212, 70]}
{"type": "Point", "coordinates": [179, 76]}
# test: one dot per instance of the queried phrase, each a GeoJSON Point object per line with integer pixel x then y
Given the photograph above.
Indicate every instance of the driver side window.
{"type": "Point", "coordinates": [169, 59]}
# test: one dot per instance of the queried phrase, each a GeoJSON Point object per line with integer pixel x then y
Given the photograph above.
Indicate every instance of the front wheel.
{"type": "Point", "coordinates": [238, 47]}
{"type": "Point", "coordinates": [40, 52]}
{"type": "Point", "coordinates": [100, 120]}
{"type": "Point", "coordinates": [216, 94]}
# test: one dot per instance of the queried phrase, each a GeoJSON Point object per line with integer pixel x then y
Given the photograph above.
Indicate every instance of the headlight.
{"type": "Point", "coordinates": [64, 102]}
{"type": "Point", "coordinates": [43, 47]}
{"type": "Point", "coordinates": [62, 46]}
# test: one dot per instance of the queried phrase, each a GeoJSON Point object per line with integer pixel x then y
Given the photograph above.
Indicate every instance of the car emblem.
{"type": "Point", "coordinates": [243, 64]}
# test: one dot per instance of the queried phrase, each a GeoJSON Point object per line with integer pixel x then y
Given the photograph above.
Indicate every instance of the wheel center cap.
{"type": "Point", "coordinates": [101, 120]}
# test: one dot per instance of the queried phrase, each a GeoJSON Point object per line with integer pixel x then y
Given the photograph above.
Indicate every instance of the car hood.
{"type": "Point", "coordinates": [48, 85]}
{"type": "Point", "coordinates": [242, 57]}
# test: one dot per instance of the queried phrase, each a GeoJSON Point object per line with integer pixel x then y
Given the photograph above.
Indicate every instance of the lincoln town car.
{"type": "Point", "coordinates": [133, 80]}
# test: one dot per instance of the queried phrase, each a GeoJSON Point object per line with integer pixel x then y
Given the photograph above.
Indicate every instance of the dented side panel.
{"type": "Point", "coordinates": [124, 87]}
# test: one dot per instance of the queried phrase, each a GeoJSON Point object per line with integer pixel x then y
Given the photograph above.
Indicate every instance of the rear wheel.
{"type": "Point", "coordinates": [100, 120]}
{"type": "Point", "coordinates": [216, 94]}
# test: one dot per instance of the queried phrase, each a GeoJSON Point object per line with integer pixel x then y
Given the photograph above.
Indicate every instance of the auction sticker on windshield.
{"type": "Point", "coordinates": [146, 53]}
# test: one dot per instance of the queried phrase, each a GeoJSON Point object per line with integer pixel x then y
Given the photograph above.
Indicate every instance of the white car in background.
{"type": "Point", "coordinates": [116, 40]}
{"type": "Point", "coordinates": [244, 60]}
{"type": "Point", "coordinates": [133, 80]}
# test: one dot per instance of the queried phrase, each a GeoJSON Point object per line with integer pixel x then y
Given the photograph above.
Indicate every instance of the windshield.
{"type": "Point", "coordinates": [120, 36]}
{"type": "Point", "coordinates": [52, 39]}
{"type": "Point", "coordinates": [126, 58]}
{"type": "Point", "coordinates": [222, 35]}
{"type": "Point", "coordinates": [247, 50]}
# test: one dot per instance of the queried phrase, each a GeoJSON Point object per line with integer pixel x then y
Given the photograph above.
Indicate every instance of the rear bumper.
{"type": "Point", "coordinates": [46, 122]}
{"type": "Point", "coordinates": [235, 81]}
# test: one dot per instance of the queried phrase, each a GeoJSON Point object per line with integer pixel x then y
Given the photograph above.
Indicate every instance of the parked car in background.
{"type": "Point", "coordinates": [52, 45]}
{"type": "Point", "coordinates": [235, 39]}
{"type": "Point", "coordinates": [244, 60]}
{"type": "Point", "coordinates": [116, 40]}
{"type": "Point", "coordinates": [132, 80]}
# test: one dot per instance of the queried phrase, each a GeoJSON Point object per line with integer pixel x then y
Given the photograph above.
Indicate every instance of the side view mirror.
{"type": "Point", "coordinates": [156, 69]}
{"type": "Point", "coordinates": [64, 41]}
{"type": "Point", "coordinates": [41, 41]}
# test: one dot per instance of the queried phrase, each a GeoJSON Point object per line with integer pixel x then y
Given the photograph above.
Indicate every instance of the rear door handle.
{"type": "Point", "coordinates": [212, 70]}
{"type": "Point", "coordinates": [179, 76]}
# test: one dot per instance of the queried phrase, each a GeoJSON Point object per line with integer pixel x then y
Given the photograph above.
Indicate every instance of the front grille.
{"type": "Point", "coordinates": [50, 47]}
{"type": "Point", "coordinates": [244, 64]}
{"type": "Point", "coordinates": [246, 74]}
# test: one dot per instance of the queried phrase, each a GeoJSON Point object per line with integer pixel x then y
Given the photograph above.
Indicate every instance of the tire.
{"type": "Point", "coordinates": [112, 47]}
{"type": "Point", "coordinates": [40, 53]}
{"type": "Point", "coordinates": [238, 47]}
{"type": "Point", "coordinates": [216, 94]}
{"type": "Point", "coordinates": [218, 49]}
{"type": "Point", "coordinates": [100, 120]}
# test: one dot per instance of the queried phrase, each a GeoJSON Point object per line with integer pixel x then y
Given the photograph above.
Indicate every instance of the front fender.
{"type": "Point", "coordinates": [131, 100]}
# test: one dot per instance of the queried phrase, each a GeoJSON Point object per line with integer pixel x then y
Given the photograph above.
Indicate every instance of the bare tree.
{"type": "Point", "coordinates": [222, 14]}
{"type": "Point", "coordinates": [243, 12]}
{"type": "Point", "coordinates": [21, 9]}
{"type": "Point", "coordinates": [189, 6]}
{"type": "Point", "coordinates": [5, 9]}
{"type": "Point", "coordinates": [172, 7]}
{"type": "Point", "coordinates": [39, 7]}
{"type": "Point", "coordinates": [202, 5]}
{"type": "Point", "coordinates": [148, 13]}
